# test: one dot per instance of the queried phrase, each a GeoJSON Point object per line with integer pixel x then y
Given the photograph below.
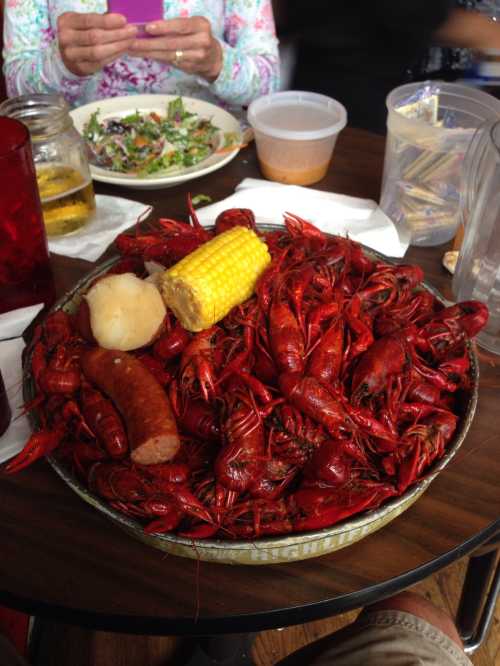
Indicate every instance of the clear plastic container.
{"type": "Point", "coordinates": [477, 275]}
{"type": "Point", "coordinates": [295, 133]}
{"type": "Point", "coordinates": [429, 127]}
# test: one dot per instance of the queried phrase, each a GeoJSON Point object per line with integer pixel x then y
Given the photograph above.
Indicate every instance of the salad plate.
{"type": "Point", "coordinates": [94, 122]}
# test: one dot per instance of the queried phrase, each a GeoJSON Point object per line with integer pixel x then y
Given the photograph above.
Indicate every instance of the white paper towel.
{"type": "Point", "coordinates": [360, 219]}
{"type": "Point", "coordinates": [12, 325]}
{"type": "Point", "coordinates": [17, 434]}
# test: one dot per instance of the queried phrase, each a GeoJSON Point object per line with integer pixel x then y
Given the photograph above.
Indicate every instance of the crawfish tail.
{"type": "Point", "coordinates": [287, 341]}
{"type": "Point", "coordinates": [312, 398]}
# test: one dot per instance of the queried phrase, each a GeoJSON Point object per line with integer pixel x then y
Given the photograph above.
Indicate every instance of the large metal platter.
{"type": "Point", "coordinates": [267, 550]}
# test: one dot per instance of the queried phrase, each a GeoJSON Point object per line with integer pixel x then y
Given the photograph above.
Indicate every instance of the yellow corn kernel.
{"type": "Point", "coordinates": [204, 286]}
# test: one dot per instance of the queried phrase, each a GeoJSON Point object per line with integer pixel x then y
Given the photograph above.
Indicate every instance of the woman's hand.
{"type": "Point", "coordinates": [88, 42]}
{"type": "Point", "coordinates": [185, 43]}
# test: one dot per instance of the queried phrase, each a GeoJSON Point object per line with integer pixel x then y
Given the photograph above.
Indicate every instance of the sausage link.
{"type": "Point", "coordinates": [140, 399]}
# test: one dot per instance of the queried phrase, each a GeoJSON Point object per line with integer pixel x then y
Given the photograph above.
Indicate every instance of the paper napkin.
{"type": "Point", "coordinates": [113, 215]}
{"type": "Point", "coordinates": [360, 219]}
{"type": "Point", "coordinates": [12, 325]}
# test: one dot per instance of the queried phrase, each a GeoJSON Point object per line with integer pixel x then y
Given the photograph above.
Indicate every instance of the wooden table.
{"type": "Point", "coordinates": [61, 558]}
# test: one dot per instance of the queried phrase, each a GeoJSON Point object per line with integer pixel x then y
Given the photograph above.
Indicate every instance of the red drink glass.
{"type": "Point", "coordinates": [25, 273]}
{"type": "Point", "coordinates": [5, 412]}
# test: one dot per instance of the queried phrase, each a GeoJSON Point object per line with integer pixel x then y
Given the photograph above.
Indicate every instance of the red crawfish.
{"type": "Point", "coordinates": [57, 328]}
{"type": "Point", "coordinates": [82, 455]}
{"type": "Point", "coordinates": [254, 518]}
{"type": "Point", "coordinates": [40, 444]}
{"type": "Point", "coordinates": [314, 400]}
{"type": "Point", "coordinates": [156, 366]}
{"type": "Point", "coordinates": [240, 462]}
{"type": "Point", "coordinates": [172, 343]}
{"type": "Point", "coordinates": [264, 367]}
{"type": "Point", "coordinates": [293, 436]}
{"type": "Point", "coordinates": [105, 422]}
{"type": "Point", "coordinates": [335, 413]}
{"type": "Point", "coordinates": [316, 318]}
{"type": "Point", "coordinates": [297, 227]}
{"type": "Point", "coordinates": [167, 242]}
{"type": "Point", "coordinates": [360, 326]}
{"type": "Point", "coordinates": [197, 364]}
{"type": "Point", "coordinates": [82, 321]}
{"type": "Point", "coordinates": [388, 285]}
{"type": "Point", "coordinates": [275, 479]}
{"type": "Point", "coordinates": [53, 356]}
{"type": "Point", "coordinates": [287, 340]}
{"type": "Point", "coordinates": [456, 367]}
{"type": "Point", "coordinates": [129, 489]}
{"type": "Point", "coordinates": [421, 391]}
{"type": "Point", "coordinates": [154, 247]}
{"type": "Point", "coordinates": [316, 508]}
{"type": "Point", "coordinates": [420, 306]}
{"type": "Point", "coordinates": [233, 217]}
{"type": "Point", "coordinates": [297, 281]}
{"type": "Point", "coordinates": [424, 443]}
{"type": "Point", "coordinates": [328, 465]}
{"type": "Point", "coordinates": [387, 357]}
{"type": "Point", "coordinates": [451, 325]}
{"type": "Point", "coordinates": [266, 284]}
{"type": "Point", "coordinates": [199, 418]}
{"type": "Point", "coordinates": [61, 375]}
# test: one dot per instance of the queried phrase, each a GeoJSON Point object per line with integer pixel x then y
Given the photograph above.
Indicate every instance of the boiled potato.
{"type": "Point", "coordinates": [125, 312]}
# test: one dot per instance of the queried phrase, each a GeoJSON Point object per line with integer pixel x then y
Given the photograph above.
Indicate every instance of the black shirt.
{"type": "Point", "coordinates": [358, 51]}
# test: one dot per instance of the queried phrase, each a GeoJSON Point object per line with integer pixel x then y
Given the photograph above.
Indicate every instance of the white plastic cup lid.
{"type": "Point", "coordinates": [297, 115]}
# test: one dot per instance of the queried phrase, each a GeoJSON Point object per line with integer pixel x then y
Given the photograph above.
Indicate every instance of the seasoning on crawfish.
{"type": "Point", "coordinates": [330, 390]}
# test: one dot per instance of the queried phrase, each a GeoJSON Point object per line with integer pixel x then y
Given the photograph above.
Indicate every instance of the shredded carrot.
{"type": "Point", "coordinates": [140, 141]}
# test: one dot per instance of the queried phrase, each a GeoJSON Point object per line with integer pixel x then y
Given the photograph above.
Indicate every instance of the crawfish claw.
{"type": "Point", "coordinates": [39, 444]}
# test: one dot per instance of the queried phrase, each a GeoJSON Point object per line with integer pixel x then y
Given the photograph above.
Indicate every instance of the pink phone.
{"type": "Point", "coordinates": [138, 12]}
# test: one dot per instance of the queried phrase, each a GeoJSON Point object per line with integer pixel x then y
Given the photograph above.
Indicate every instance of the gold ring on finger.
{"type": "Point", "coordinates": [179, 54]}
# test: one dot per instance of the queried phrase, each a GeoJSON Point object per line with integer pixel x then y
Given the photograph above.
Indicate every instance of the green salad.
{"type": "Point", "coordinates": [147, 143]}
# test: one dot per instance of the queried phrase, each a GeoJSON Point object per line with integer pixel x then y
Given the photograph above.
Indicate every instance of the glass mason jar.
{"type": "Point", "coordinates": [59, 154]}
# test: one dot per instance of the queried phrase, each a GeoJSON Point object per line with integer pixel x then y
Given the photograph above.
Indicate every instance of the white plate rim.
{"type": "Point", "coordinates": [130, 103]}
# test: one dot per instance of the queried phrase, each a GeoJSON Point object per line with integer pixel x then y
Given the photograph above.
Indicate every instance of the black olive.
{"type": "Point", "coordinates": [116, 127]}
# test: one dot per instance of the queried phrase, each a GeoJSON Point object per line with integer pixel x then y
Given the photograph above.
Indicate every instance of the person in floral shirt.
{"type": "Point", "coordinates": [223, 51]}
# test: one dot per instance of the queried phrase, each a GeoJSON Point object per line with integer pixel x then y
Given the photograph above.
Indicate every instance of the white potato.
{"type": "Point", "coordinates": [125, 312]}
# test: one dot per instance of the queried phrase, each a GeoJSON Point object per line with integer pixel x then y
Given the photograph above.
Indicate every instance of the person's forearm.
{"type": "Point", "coordinates": [41, 73]}
{"type": "Point", "coordinates": [245, 77]}
{"type": "Point", "coordinates": [32, 62]}
{"type": "Point", "coordinates": [468, 29]}
{"type": "Point", "coordinates": [250, 60]}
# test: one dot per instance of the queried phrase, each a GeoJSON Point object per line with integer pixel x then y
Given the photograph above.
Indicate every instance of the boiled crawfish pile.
{"type": "Point", "coordinates": [332, 389]}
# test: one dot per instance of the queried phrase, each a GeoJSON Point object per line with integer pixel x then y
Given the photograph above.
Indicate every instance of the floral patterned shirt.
{"type": "Point", "coordinates": [245, 29]}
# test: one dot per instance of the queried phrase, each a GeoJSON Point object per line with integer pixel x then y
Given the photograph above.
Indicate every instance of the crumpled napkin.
{"type": "Point", "coordinates": [12, 325]}
{"type": "Point", "coordinates": [113, 215]}
{"type": "Point", "coordinates": [360, 219]}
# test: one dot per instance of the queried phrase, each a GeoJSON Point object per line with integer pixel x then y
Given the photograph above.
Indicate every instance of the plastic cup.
{"type": "Point", "coordinates": [25, 272]}
{"type": "Point", "coordinates": [477, 274]}
{"type": "Point", "coordinates": [430, 125]}
{"type": "Point", "coordinates": [295, 134]}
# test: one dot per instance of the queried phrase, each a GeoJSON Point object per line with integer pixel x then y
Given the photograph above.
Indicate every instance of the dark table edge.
{"type": "Point", "coordinates": [155, 626]}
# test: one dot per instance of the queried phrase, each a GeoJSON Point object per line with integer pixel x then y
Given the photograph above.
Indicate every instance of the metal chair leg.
{"type": "Point", "coordinates": [479, 596]}
{"type": "Point", "coordinates": [222, 650]}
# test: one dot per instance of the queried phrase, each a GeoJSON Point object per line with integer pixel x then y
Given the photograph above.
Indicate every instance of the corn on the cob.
{"type": "Point", "coordinates": [204, 286]}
